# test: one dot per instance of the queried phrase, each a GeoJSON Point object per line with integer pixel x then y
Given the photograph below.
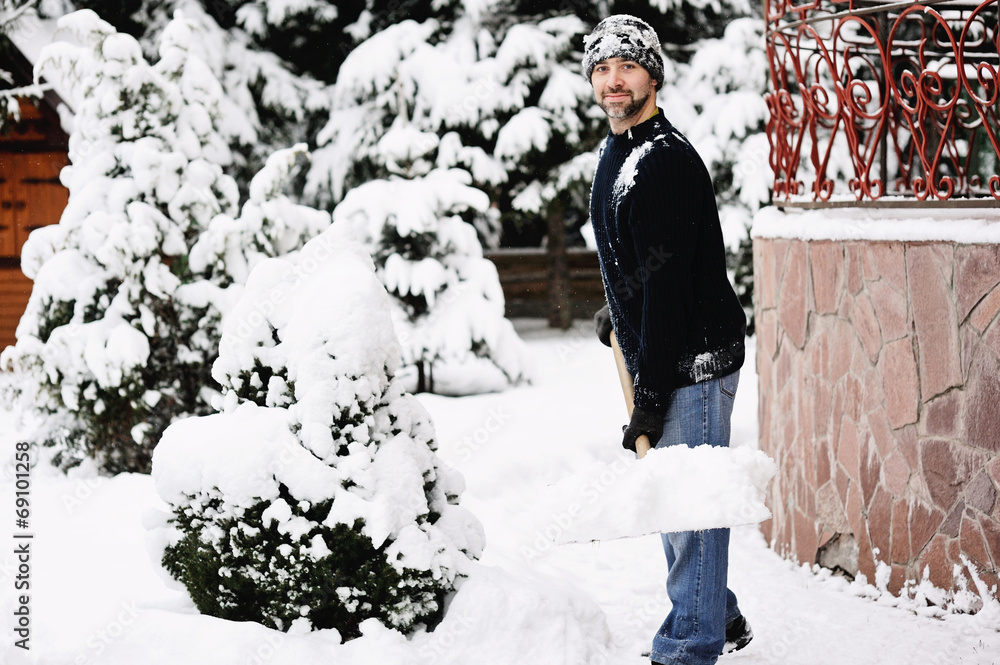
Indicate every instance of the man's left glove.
{"type": "Point", "coordinates": [602, 325]}
{"type": "Point", "coordinates": [645, 422]}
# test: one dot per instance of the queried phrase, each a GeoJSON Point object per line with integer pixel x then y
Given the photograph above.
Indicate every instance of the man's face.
{"type": "Point", "coordinates": [621, 87]}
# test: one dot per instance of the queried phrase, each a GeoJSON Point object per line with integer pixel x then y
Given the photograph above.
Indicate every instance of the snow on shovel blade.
{"type": "Point", "coordinates": [670, 489]}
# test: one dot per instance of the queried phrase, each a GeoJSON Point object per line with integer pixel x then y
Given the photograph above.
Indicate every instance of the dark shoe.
{"type": "Point", "coordinates": [738, 635]}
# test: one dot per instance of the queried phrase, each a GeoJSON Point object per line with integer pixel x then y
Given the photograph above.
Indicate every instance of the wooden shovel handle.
{"type": "Point", "coordinates": [642, 443]}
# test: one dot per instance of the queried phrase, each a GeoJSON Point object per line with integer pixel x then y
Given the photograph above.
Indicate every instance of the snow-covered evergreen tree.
{"type": "Point", "coordinates": [14, 15]}
{"type": "Point", "coordinates": [448, 306]}
{"type": "Point", "coordinates": [270, 224]}
{"type": "Point", "coordinates": [269, 103]}
{"type": "Point", "coordinates": [315, 499]}
{"type": "Point", "coordinates": [502, 100]}
{"type": "Point", "coordinates": [122, 325]}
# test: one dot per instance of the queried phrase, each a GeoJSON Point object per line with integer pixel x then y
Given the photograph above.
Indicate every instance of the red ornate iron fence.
{"type": "Point", "coordinates": [895, 99]}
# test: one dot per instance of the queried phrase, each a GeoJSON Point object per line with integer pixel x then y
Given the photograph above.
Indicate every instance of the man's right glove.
{"type": "Point", "coordinates": [602, 324]}
{"type": "Point", "coordinates": [643, 422]}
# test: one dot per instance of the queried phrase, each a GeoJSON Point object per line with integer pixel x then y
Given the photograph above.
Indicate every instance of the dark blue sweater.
{"type": "Point", "coordinates": [659, 240]}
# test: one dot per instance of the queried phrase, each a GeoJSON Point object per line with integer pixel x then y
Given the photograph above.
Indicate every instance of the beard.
{"type": "Point", "coordinates": [623, 110]}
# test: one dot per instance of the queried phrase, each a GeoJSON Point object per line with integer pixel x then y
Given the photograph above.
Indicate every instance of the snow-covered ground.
{"type": "Point", "coordinates": [98, 596]}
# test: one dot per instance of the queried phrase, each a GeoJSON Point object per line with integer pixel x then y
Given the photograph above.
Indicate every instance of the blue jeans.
{"type": "Point", "coordinates": [698, 561]}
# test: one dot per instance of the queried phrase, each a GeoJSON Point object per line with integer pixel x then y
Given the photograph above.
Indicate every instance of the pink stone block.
{"type": "Point", "coordinates": [842, 341]}
{"type": "Point", "coordinates": [765, 273]}
{"type": "Point", "coordinates": [902, 396]}
{"type": "Point", "coordinates": [866, 324]}
{"type": "Point", "coordinates": [827, 264]}
{"type": "Point", "coordinates": [822, 462]}
{"type": "Point", "coordinates": [890, 310]}
{"type": "Point", "coordinates": [907, 440]}
{"type": "Point", "coordinates": [980, 493]}
{"type": "Point", "coordinates": [940, 469]}
{"type": "Point", "coordinates": [866, 558]}
{"type": "Point", "coordinates": [878, 425]}
{"type": "Point", "coordinates": [782, 371]}
{"type": "Point", "coordinates": [853, 392]}
{"type": "Point", "coordinates": [805, 538]}
{"type": "Point", "coordinates": [848, 449]}
{"type": "Point", "coordinates": [937, 563]}
{"type": "Point", "coordinates": [991, 533]}
{"type": "Point", "coordinates": [880, 524]}
{"type": "Point", "coordinates": [901, 532]}
{"type": "Point", "coordinates": [986, 311]}
{"type": "Point", "coordinates": [767, 333]}
{"type": "Point", "coordinates": [973, 544]}
{"type": "Point", "coordinates": [982, 403]}
{"type": "Point", "coordinates": [895, 474]}
{"type": "Point", "coordinates": [941, 415]}
{"type": "Point", "coordinates": [993, 468]}
{"type": "Point", "coordinates": [869, 269]}
{"type": "Point", "coordinates": [792, 300]}
{"type": "Point", "coordinates": [817, 352]}
{"type": "Point", "coordinates": [854, 514]}
{"type": "Point", "coordinates": [977, 272]}
{"type": "Point", "coordinates": [992, 339]}
{"type": "Point", "coordinates": [891, 263]}
{"type": "Point", "coordinates": [935, 320]}
{"type": "Point", "coordinates": [869, 469]}
{"type": "Point", "coordinates": [830, 509]}
{"type": "Point", "coordinates": [822, 401]}
{"type": "Point", "coordinates": [855, 250]}
{"type": "Point", "coordinates": [924, 521]}
{"type": "Point", "coordinates": [873, 392]}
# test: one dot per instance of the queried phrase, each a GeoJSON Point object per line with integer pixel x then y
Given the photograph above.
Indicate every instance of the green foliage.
{"type": "Point", "coordinates": [240, 567]}
{"type": "Point", "coordinates": [126, 15]}
{"type": "Point", "coordinates": [120, 425]}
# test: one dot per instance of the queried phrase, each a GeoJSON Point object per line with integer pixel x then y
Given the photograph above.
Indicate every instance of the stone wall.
{"type": "Point", "coordinates": [879, 382]}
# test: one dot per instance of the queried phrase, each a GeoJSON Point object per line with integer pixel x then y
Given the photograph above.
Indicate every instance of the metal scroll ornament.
{"type": "Point", "coordinates": [872, 100]}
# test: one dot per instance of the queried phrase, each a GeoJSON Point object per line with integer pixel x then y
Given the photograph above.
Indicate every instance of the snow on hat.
{"type": "Point", "coordinates": [624, 36]}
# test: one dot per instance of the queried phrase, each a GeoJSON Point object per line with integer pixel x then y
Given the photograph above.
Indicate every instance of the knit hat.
{"type": "Point", "coordinates": [624, 36]}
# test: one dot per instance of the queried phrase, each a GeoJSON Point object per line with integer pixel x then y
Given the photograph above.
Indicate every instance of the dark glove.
{"type": "Point", "coordinates": [602, 324]}
{"type": "Point", "coordinates": [643, 422]}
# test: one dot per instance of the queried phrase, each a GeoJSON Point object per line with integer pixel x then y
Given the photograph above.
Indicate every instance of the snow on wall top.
{"type": "Point", "coordinates": [968, 226]}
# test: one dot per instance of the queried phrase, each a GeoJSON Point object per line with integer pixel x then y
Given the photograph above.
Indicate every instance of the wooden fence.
{"type": "Point", "coordinates": [541, 284]}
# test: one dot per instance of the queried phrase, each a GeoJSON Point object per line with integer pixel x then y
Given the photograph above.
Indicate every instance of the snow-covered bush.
{"type": "Point", "coordinates": [315, 498]}
{"type": "Point", "coordinates": [121, 329]}
{"type": "Point", "coordinates": [447, 305]}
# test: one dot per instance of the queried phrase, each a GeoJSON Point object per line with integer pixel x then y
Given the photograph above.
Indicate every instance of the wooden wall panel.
{"type": "Point", "coordinates": [31, 197]}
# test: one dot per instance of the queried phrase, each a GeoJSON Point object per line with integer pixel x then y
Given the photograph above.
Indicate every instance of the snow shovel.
{"type": "Point", "coordinates": [642, 444]}
{"type": "Point", "coordinates": [673, 489]}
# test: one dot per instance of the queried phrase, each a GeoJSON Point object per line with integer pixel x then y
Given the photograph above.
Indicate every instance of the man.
{"type": "Point", "coordinates": [674, 313]}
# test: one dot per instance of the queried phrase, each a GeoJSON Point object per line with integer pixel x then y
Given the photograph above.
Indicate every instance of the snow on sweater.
{"type": "Point", "coordinates": [675, 314]}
